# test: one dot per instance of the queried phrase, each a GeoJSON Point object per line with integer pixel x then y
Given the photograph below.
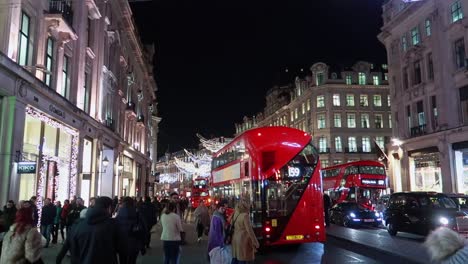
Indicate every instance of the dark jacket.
{"type": "Point", "coordinates": [74, 214]}
{"type": "Point", "coordinates": [127, 219]}
{"type": "Point", "coordinates": [148, 211]}
{"type": "Point", "coordinates": [8, 216]}
{"type": "Point", "coordinates": [35, 213]}
{"type": "Point", "coordinates": [95, 239]}
{"type": "Point", "coordinates": [48, 214]}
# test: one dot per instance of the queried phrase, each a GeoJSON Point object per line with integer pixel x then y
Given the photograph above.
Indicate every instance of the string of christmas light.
{"type": "Point", "coordinates": [202, 159]}
{"type": "Point", "coordinates": [168, 178]}
{"type": "Point", "coordinates": [72, 168]}
{"type": "Point", "coordinates": [193, 169]}
{"type": "Point", "coordinates": [212, 144]}
{"type": "Point", "coordinates": [43, 182]}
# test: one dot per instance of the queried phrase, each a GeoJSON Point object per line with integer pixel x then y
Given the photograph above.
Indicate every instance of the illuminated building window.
{"type": "Point", "coordinates": [320, 101]}
{"type": "Point", "coordinates": [336, 100]}
{"type": "Point", "coordinates": [49, 58]}
{"type": "Point", "coordinates": [456, 10]}
{"type": "Point", "coordinates": [24, 39]}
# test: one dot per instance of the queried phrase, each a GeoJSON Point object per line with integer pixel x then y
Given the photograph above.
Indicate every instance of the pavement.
{"type": "Point", "coordinates": [405, 248]}
{"type": "Point", "coordinates": [408, 247]}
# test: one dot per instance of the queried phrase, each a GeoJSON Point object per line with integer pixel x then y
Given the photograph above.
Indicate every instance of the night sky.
{"type": "Point", "coordinates": [215, 59]}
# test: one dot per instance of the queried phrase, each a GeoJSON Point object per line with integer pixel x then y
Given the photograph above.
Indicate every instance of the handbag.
{"type": "Point", "coordinates": [230, 231]}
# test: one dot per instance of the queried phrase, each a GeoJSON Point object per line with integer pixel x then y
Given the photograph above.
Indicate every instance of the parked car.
{"type": "Point", "coordinates": [353, 214]}
{"type": "Point", "coordinates": [461, 200]}
{"type": "Point", "coordinates": [421, 212]}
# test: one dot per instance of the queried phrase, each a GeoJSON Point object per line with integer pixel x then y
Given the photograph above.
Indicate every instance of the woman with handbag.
{"type": "Point", "coordinates": [171, 234]}
{"type": "Point", "coordinates": [22, 243]}
{"type": "Point", "coordinates": [244, 242]}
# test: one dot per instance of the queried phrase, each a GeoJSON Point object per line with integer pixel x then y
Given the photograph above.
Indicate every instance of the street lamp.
{"type": "Point", "coordinates": [105, 162]}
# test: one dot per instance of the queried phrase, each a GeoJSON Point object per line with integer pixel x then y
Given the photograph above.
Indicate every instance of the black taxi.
{"type": "Point", "coordinates": [421, 212]}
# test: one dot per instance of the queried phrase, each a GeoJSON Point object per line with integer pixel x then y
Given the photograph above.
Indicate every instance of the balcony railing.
{"type": "Point", "coordinates": [110, 123]}
{"type": "Point", "coordinates": [63, 7]}
{"type": "Point", "coordinates": [418, 130]}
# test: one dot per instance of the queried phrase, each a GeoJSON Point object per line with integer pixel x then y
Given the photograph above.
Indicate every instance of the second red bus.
{"type": "Point", "coordinates": [360, 181]}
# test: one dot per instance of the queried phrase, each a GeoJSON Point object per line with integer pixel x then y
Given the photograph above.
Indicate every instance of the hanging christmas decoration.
{"type": "Point", "coordinates": [213, 145]}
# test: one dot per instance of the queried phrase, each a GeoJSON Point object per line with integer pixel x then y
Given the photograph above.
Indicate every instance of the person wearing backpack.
{"type": "Point", "coordinates": [131, 225]}
{"type": "Point", "coordinates": [244, 242]}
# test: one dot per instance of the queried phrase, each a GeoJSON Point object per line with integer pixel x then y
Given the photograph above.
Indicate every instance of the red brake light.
{"type": "Point", "coordinates": [317, 227]}
{"type": "Point", "coordinates": [267, 229]}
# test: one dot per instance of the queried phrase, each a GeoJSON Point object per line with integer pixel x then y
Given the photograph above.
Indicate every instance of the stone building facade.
{"type": "Point", "coordinates": [425, 42]}
{"type": "Point", "coordinates": [345, 109]}
{"type": "Point", "coordinates": [77, 101]}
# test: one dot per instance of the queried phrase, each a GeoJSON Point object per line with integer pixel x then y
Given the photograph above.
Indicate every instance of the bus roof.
{"type": "Point", "coordinates": [354, 163]}
{"type": "Point", "coordinates": [262, 138]}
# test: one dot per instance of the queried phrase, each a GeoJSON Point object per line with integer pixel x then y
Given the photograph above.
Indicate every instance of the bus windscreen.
{"type": "Point", "coordinates": [284, 189]}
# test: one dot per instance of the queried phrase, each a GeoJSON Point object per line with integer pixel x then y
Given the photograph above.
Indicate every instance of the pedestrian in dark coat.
{"type": "Point", "coordinates": [9, 213]}
{"type": "Point", "coordinates": [63, 217]}
{"type": "Point", "coordinates": [95, 239]}
{"type": "Point", "coordinates": [130, 225]}
{"type": "Point", "coordinates": [55, 230]}
{"type": "Point", "coordinates": [33, 204]}
{"type": "Point", "coordinates": [47, 220]}
{"type": "Point", "coordinates": [148, 212]}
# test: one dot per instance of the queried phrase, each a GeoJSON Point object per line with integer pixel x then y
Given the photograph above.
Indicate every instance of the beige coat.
{"type": "Point", "coordinates": [22, 248]}
{"type": "Point", "coordinates": [244, 242]}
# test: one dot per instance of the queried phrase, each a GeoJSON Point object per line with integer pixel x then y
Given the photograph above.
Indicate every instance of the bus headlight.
{"type": "Point", "coordinates": [353, 215]}
{"type": "Point", "coordinates": [443, 220]}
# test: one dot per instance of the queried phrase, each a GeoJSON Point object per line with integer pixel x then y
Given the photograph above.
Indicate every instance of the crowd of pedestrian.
{"type": "Point", "coordinates": [119, 230]}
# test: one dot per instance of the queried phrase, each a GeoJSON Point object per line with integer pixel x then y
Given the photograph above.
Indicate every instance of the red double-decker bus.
{"type": "Point", "coordinates": [200, 191]}
{"type": "Point", "coordinates": [278, 170]}
{"type": "Point", "coordinates": [360, 181]}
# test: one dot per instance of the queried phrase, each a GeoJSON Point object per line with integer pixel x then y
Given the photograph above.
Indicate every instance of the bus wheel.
{"type": "Point", "coordinates": [391, 228]}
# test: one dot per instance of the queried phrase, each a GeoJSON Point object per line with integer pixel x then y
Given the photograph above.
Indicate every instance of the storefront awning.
{"type": "Point", "coordinates": [460, 145]}
{"type": "Point", "coordinates": [427, 150]}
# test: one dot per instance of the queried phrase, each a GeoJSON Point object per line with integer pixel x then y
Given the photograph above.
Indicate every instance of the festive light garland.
{"type": "Point", "coordinates": [73, 162]}
{"type": "Point", "coordinates": [197, 167]}
{"type": "Point", "coordinates": [212, 144]}
{"type": "Point", "coordinates": [168, 178]}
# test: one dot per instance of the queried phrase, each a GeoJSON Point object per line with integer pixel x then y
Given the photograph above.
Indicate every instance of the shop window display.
{"type": "Point", "coordinates": [426, 173]}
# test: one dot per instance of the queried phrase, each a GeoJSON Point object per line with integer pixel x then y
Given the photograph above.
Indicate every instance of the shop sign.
{"type": "Point", "coordinates": [26, 167]}
{"type": "Point", "coordinates": [57, 111]}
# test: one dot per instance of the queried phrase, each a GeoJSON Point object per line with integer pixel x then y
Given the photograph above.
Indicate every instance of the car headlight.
{"type": "Point", "coordinates": [377, 214]}
{"type": "Point", "coordinates": [353, 215]}
{"type": "Point", "coordinates": [443, 220]}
